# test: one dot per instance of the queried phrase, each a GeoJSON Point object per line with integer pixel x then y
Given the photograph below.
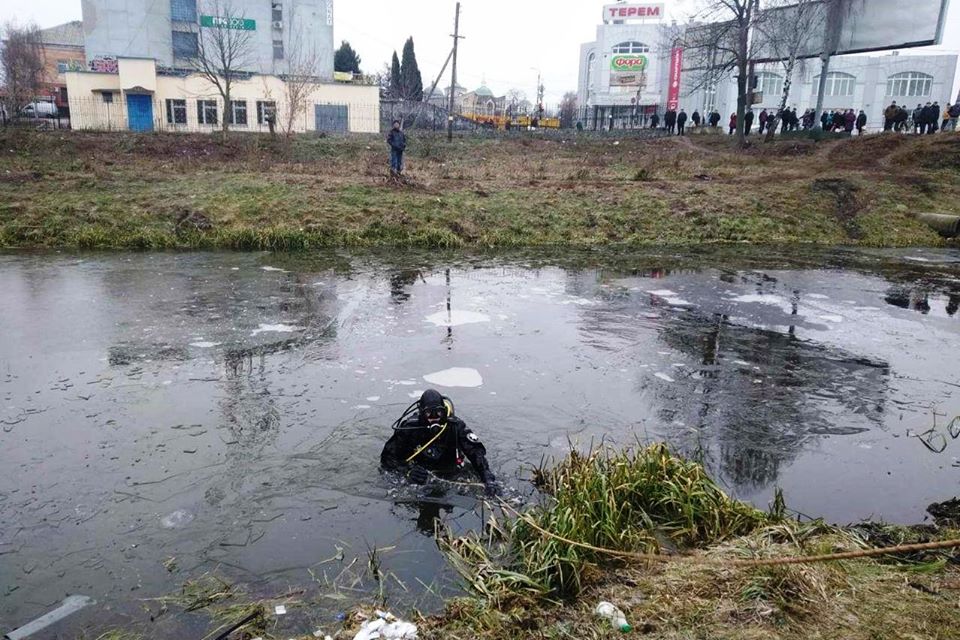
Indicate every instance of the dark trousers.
{"type": "Point", "coordinates": [680, 126]}
{"type": "Point", "coordinates": [396, 160]}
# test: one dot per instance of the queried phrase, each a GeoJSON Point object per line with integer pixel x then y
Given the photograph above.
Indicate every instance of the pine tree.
{"type": "Point", "coordinates": [396, 87]}
{"type": "Point", "coordinates": [411, 83]}
{"type": "Point", "coordinates": [346, 59]}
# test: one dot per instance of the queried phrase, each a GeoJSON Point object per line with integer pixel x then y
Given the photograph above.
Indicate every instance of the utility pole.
{"type": "Point", "coordinates": [453, 74]}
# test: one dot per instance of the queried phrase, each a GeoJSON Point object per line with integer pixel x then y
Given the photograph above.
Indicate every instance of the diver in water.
{"type": "Point", "coordinates": [429, 438]}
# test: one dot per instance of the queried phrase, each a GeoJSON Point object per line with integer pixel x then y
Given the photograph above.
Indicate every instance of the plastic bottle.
{"type": "Point", "coordinates": [612, 613]}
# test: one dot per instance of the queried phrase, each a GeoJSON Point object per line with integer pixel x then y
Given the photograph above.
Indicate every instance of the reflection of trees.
{"type": "Point", "coordinates": [804, 390]}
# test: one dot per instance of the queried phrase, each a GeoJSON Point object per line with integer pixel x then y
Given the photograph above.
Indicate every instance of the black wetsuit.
{"type": "Point", "coordinates": [445, 455]}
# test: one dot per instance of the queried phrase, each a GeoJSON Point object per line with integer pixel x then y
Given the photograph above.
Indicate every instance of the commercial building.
{"type": "Point", "coordinates": [141, 71]}
{"type": "Point", "coordinates": [140, 96]}
{"type": "Point", "coordinates": [629, 72]}
{"type": "Point", "coordinates": [853, 82]}
{"type": "Point", "coordinates": [624, 71]}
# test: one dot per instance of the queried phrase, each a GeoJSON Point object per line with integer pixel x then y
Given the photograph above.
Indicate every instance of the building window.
{"type": "Point", "coordinates": [710, 97]}
{"type": "Point", "coordinates": [183, 10]}
{"type": "Point", "coordinates": [176, 111]}
{"type": "Point", "coordinates": [184, 44]}
{"type": "Point", "coordinates": [207, 111]}
{"type": "Point", "coordinates": [909, 83]}
{"type": "Point", "coordinates": [838, 84]}
{"type": "Point", "coordinates": [238, 112]}
{"type": "Point", "coordinates": [278, 49]}
{"type": "Point", "coordinates": [631, 47]}
{"type": "Point", "coordinates": [63, 66]}
{"type": "Point", "coordinates": [769, 84]}
{"type": "Point", "coordinates": [277, 12]}
{"type": "Point", "coordinates": [263, 107]}
{"type": "Point", "coordinates": [107, 97]}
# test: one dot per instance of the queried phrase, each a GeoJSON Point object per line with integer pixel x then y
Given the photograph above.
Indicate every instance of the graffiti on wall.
{"type": "Point", "coordinates": [104, 64]}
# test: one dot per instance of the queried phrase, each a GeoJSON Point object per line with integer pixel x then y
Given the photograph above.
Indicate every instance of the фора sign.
{"type": "Point", "coordinates": [628, 63]}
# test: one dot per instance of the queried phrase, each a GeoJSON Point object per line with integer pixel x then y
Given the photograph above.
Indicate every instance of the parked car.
{"type": "Point", "coordinates": [39, 110]}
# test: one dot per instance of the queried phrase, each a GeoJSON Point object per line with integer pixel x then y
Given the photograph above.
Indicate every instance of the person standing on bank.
{"type": "Point", "coordinates": [397, 140]}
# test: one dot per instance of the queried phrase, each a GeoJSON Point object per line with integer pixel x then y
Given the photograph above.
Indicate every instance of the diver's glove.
{"type": "Point", "coordinates": [490, 486]}
{"type": "Point", "coordinates": [418, 475]}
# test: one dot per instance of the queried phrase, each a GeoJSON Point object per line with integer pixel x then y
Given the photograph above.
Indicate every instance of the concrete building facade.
{"type": "Point", "coordinates": [62, 48]}
{"type": "Point", "coordinates": [868, 82]}
{"type": "Point", "coordinates": [139, 96]}
{"type": "Point", "coordinates": [167, 31]}
{"type": "Point", "coordinates": [623, 72]}
{"type": "Point", "coordinates": [611, 94]}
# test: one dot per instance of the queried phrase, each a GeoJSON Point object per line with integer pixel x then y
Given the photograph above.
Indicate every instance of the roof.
{"type": "Point", "coordinates": [484, 91]}
{"type": "Point", "coordinates": [68, 34]}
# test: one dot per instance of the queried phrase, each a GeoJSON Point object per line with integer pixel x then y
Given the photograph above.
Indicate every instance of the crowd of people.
{"type": "Point", "coordinates": [924, 119]}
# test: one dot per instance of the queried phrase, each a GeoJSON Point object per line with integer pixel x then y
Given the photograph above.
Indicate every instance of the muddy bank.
{"type": "Point", "coordinates": [83, 190]}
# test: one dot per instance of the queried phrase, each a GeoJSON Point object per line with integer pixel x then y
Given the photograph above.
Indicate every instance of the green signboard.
{"type": "Point", "coordinates": [219, 22]}
{"type": "Point", "coordinates": [628, 63]}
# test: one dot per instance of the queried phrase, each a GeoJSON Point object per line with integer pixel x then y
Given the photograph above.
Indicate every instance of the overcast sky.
{"type": "Point", "coordinates": [506, 40]}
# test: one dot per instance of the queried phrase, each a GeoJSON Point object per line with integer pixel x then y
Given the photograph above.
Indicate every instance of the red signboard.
{"type": "Point", "coordinates": [673, 91]}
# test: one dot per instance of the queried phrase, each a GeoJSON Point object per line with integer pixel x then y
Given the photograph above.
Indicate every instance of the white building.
{"type": "Point", "coordinates": [623, 73]}
{"type": "Point", "coordinates": [625, 77]}
{"type": "Point", "coordinates": [853, 82]}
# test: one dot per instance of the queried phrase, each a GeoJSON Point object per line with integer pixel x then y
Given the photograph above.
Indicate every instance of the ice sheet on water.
{"type": "Point", "coordinates": [456, 318]}
{"type": "Point", "coordinates": [204, 345]}
{"type": "Point", "coordinates": [664, 376]}
{"type": "Point", "coordinates": [176, 520]}
{"type": "Point", "coordinates": [455, 377]}
{"type": "Point", "coordinates": [275, 328]}
{"type": "Point", "coordinates": [274, 269]}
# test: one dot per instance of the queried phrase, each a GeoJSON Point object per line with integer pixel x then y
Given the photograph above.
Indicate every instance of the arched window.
{"type": "Point", "coordinates": [491, 108]}
{"type": "Point", "coordinates": [909, 83]}
{"type": "Point", "coordinates": [590, 59]}
{"type": "Point", "coordinates": [770, 85]}
{"type": "Point", "coordinates": [631, 47]}
{"type": "Point", "coordinates": [838, 84]}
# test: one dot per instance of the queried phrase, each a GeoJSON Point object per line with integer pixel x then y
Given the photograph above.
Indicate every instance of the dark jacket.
{"type": "Point", "coordinates": [696, 118]}
{"type": "Point", "coordinates": [397, 140]}
{"type": "Point", "coordinates": [861, 121]}
{"type": "Point", "coordinates": [682, 117]}
{"type": "Point", "coordinates": [748, 118]}
{"type": "Point", "coordinates": [445, 455]}
{"type": "Point", "coordinates": [670, 118]}
{"type": "Point", "coordinates": [714, 119]}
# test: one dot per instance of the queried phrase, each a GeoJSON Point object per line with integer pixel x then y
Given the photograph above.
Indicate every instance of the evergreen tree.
{"type": "Point", "coordinates": [411, 83]}
{"type": "Point", "coordinates": [396, 89]}
{"type": "Point", "coordinates": [346, 59]}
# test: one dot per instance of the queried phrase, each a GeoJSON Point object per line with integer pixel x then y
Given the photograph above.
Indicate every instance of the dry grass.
{"type": "Point", "coordinates": [157, 191]}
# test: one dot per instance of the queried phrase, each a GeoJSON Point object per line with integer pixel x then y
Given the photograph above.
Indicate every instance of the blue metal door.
{"type": "Point", "coordinates": [140, 112]}
{"type": "Point", "coordinates": [331, 117]}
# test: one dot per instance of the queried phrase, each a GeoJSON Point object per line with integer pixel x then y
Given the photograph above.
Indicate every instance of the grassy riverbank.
{"type": "Point", "coordinates": [540, 574]}
{"type": "Point", "coordinates": [113, 190]}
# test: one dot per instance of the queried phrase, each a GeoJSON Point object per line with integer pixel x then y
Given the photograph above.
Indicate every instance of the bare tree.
{"type": "Point", "coordinates": [786, 32]}
{"type": "Point", "coordinates": [301, 79]}
{"type": "Point", "coordinates": [515, 99]}
{"type": "Point", "coordinates": [722, 39]}
{"type": "Point", "coordinates": [21, 60]}
{"type": "Point", "coordinates": [224, 51]}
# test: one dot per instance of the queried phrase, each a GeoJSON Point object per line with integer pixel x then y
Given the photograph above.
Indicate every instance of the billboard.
{"type": "Point", "coordinates": [628, 80]}
{"type": "Point", "coordinates": [628, 63]}
{"type": "Point", "coordinates": [870, 25]}
{"type": "Point", "coordinates": [623, 12]}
